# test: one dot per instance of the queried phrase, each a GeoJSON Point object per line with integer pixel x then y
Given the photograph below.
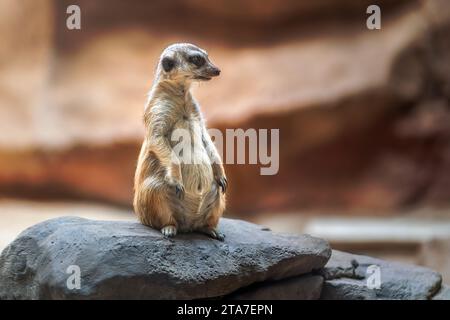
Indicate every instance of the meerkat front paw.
{"type": "Point", "coordinates": [179, 191]}
{"type": "Point", "coordinates": [223, 183]}
{"type": "Point", "coordinates": [178, 187]}
{"type": "Point", "coordinates": [169, 231]}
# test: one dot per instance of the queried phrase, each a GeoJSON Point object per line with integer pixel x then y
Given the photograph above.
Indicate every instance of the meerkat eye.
{"type": "Point", "coordinates": [197, 60]}
{"type": "Point", "coordinates": [168, 64]}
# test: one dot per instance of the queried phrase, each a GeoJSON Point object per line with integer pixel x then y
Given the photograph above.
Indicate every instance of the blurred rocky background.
{"type": "Point", "coordinates": [364, 115]}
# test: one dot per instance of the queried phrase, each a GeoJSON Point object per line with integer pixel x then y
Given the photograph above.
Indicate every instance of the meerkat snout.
{"type": "Point", "coordinates": [215, 72]}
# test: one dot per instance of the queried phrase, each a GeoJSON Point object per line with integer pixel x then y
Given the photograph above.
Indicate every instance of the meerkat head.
{"type": "Point", "coordinates": [186, 62]}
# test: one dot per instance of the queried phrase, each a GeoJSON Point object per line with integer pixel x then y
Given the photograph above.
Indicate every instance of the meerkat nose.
{"type": "Point", "coordinates": [215, 71]}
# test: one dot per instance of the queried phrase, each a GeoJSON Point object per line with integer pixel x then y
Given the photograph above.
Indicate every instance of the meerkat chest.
{"type": "Point", "coordinates": [187, 137]}
{"type": "Point", "coordinates": [187, 132]}
{"type": "Point", "coordinates": [195, 163]}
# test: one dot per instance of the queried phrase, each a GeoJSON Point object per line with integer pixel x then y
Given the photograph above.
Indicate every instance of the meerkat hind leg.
{"type": "Point", "coordinates": [213, 207]}
{"type": "Point", "coordinates": [165, 221]}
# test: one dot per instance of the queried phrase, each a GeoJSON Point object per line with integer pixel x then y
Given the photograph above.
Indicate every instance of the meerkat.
{"type": "Point", "coordinates": [170, 194]}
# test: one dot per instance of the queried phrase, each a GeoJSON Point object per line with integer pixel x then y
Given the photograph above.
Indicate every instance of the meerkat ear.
{"type": "Point", "coordinates": [167, 64]}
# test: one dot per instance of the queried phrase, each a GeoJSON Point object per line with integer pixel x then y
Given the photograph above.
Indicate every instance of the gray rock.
{"type": "Point", "coordinates": [126, 260]}
{"type": "Point", "coordinates": [435, 254]}
{"type": "Point", "coordinates": [346, 289]}
{"type": "Point", "coordinates": [306, 287]}
{"type": "Point", "coordinates": [443, 294]}
{"type": "Point", "coordinates": [347, 277]}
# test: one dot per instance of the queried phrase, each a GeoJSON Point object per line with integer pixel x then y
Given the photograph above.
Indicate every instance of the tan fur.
{"type": "Point", "coordinates": [200, 202]}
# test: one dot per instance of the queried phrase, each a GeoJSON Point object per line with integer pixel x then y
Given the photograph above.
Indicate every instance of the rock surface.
{"type": "Point", "coordinates": [443, 294]}
{"type": "Point", "coordinates": [347, 289]}
{"type": "Point", "coordinates": [126, 260]}
{"type": "Point", "coordinates": [306, 287]}
{"type": "Point", "coordinates": [347, 276]}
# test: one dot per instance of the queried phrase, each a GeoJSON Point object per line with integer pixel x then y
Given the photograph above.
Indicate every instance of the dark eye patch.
{"type": "Point", "coordinates": [197, 60]}
{"type": "Point", "coordinates": [168, 64]}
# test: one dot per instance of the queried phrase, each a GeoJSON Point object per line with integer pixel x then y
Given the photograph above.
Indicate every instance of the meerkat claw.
{"type": "Point", "coordinates": [169, 231]}
{"type": "Point", "coordinates": [213, 233]}
{"type": "Point", "coordinates": [179, 190]}
{"type": "Point", "coordinates": [217, 235]}
{"type": "Point", "coordinates": [220, 236]}
{"type": "Point", "coordinates": [223, 183]}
